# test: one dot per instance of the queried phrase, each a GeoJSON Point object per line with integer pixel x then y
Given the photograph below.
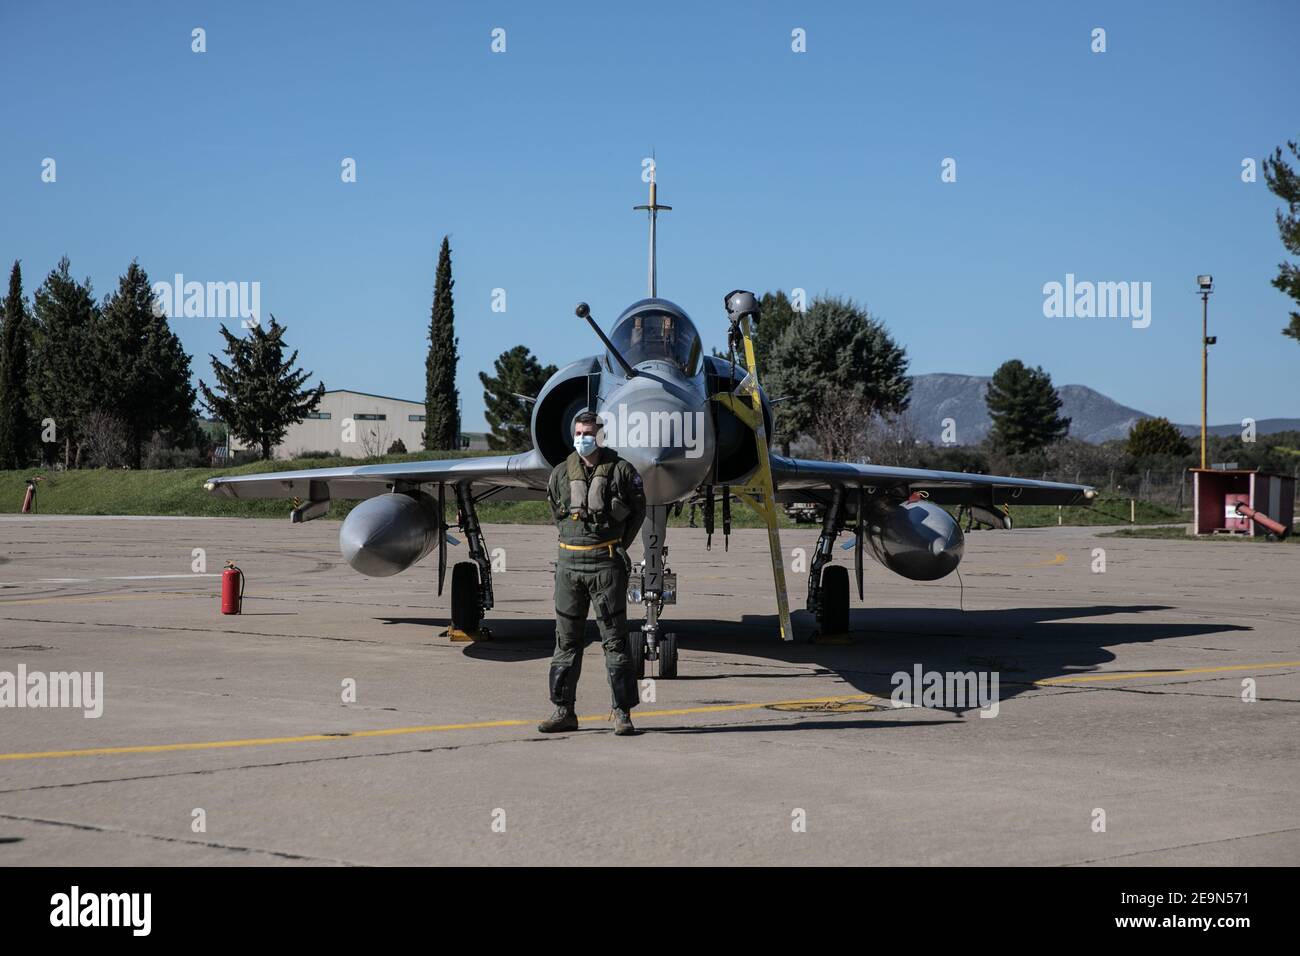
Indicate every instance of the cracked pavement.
{"type": "Point", "coordinates": [1120, 692]}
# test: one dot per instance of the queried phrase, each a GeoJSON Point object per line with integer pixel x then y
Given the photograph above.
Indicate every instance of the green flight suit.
{"type": "Point", "coordinates": [598, 512]}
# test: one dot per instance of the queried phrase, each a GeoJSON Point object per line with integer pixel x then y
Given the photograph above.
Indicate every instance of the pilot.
{"type": "Point", "coordinates": [599, 506]}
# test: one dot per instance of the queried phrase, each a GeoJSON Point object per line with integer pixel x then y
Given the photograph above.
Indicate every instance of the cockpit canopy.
{"type": "Point", "coordinates": [657, 330]}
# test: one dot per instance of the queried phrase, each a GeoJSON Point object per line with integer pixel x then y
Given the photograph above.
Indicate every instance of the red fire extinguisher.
{"type": "Point", "coordinates": [232, 589]}
{"type": "Point", "coordinates": [29, 499]}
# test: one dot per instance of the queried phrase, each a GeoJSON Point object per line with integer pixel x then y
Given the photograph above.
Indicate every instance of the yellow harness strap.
{"type": "Point", "coordinates": [592, 547]}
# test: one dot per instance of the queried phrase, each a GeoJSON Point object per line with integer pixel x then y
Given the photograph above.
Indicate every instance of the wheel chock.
{"type": "Point", "coordinates": [458, 636]}
{"type": "Point", "coordinates": [832, 639]}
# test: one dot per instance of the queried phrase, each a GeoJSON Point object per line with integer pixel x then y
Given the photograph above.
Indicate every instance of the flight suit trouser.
{"type": "Point", "coordinates": [591, 580]}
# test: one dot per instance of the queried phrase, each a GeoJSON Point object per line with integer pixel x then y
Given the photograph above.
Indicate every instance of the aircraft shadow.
{"type": "Point", "coordinates": [513, 639]}
{"type": "Point", "coordinates": [750, 727]}
{"type": "Point", "coordinates": [1023, 645]}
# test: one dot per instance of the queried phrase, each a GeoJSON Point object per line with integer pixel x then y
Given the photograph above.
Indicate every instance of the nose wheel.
{"type": "Point", "coordinates": [662, 652]}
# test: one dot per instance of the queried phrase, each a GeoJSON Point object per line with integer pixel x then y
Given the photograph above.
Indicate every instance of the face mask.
{"type": "Point", "coordinates": [584, 444]}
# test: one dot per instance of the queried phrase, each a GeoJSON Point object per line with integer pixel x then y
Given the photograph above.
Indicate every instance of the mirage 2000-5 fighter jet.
{"type": "Point", "coordinates": [677, 415]}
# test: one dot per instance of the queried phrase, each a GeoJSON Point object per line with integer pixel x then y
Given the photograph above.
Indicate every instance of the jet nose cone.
{"type": "Point", "coordinates": [668, 476]}
{"type": "Point", "coordinates": [666, 438]}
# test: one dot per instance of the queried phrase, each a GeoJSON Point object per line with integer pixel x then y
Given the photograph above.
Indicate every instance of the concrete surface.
{"type": "Point", "coordinates": [1184, 770]}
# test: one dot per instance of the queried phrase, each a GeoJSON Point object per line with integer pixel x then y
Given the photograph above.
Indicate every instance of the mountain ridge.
{"type": "Point", "coordinates": [1094, 417]}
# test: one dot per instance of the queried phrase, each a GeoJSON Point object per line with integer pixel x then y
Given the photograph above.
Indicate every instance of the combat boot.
{"type": "Point", "coordinates": [622, 722]}
{"type": "Point", "coordinates": [562, 720]}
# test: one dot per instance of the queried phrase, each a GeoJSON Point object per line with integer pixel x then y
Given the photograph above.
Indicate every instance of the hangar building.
{"type": "Point", "coordinates": [359, 425]}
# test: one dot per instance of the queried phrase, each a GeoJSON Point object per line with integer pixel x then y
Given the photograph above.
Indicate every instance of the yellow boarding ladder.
{"type": "Point", "coordinates": [746, 404]}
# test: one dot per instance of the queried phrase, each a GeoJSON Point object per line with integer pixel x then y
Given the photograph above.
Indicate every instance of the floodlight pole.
{"type": "Point", "coordinates": [1205, 365]}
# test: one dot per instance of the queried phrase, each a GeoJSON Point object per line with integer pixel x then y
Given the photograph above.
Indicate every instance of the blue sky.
{"type": "Point", "coordinates": [818, 170]}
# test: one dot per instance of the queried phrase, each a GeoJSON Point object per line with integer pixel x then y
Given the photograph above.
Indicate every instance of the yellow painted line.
{"type": "Point", "coordinates": [640, 714]}
{"type": "Point", "coordinates": [95, 598]}
{"type": "Point", "coordinates": [252, 741]}
{"type": "Point", "coordinates": [1085, 678]}
{"type": "Point", "coordinates": [1059, 559]}
{"type": "Point", "coordinates": [401, 731]}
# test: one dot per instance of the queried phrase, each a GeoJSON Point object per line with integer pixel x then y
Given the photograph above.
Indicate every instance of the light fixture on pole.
{"type": "Point", "coordinates": [1206, 284]}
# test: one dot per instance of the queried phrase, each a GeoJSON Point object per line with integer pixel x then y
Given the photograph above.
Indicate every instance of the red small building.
{"type": "Point", "coordinates": [1217, 492]}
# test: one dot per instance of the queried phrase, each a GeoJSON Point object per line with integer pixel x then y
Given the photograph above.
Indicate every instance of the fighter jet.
{"type": "Point", "coordinates": [677, 415]}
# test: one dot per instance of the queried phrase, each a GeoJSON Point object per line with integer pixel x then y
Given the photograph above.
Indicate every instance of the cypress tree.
{"type": "Point", "coordinates": [17, 432]}
{"type": "Point", "coordinates": [261, 391]}
{"type": "Point", "coordinates": [146, 371]}
{"type": "Point", "coordinates": [517, 373]}
{"type": "Point", "coordinates": [1024, 405]}
{"type": "Point", "coordinates": [441, 399]}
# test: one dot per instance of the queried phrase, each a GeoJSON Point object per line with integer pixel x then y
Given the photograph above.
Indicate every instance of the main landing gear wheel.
{"type": "Point", "coordinates": [667, 656]}
{"type": "Point", "coordinates": [834, 617]}
{"type": "Point", "coordinates": [636, 650]}
{"type": "Point", "coordinates": [466, 597]}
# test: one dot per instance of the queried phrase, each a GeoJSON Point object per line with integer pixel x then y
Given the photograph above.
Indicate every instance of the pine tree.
{"type": "Point", "coordinates": [1024, 405]}
{"type": "Point", "coordinates": [1285, 184]}
{"type": "Point", "coordinates": [441, 399]}
{"type": "Point", "coordinates": [17, 432]}
{"type": "Point", "coordinates": [261, 392]}
{"type": "Point", "coordinates": [65, 375]}
{"type": "Point", "coordinates": [517, 373]}
{"type": "Point", "coordinates": [835, 344]}
{"type": "Point", "coordinates": [776, 315]}
{"type": "Point", "coordinates": [146, 370]}
{"type": "Point", "coordinates": [1156, 436]}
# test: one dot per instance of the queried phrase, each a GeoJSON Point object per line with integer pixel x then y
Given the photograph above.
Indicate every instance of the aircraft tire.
{"type": "Point", "coordinates": [636, 651]}
{"type": "Point", "coordinates": [466, 597]}
{"type": "Point", "coordinates": [835, 600]}
{"type": "Point", "coordinates": [668, 656]}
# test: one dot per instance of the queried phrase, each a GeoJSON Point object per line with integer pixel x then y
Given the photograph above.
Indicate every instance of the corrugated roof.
{"type": "Point", "coordinates": [387, 398]}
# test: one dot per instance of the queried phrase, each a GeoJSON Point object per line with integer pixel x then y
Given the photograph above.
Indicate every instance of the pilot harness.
{"type": "Point", "coordinates": [597, 497]}
{"type": "Point", "coordinates": [593, 498]}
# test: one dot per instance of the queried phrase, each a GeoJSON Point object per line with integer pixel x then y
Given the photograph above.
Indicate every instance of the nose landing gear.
{"type": "Point", "coordinates": [652, 584]}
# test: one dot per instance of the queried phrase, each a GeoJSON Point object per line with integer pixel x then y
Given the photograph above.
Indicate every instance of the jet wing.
{"type": "Point", "coordinates": [521, 476]}
{"type": "Point", "coordinates": [792, 475]}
